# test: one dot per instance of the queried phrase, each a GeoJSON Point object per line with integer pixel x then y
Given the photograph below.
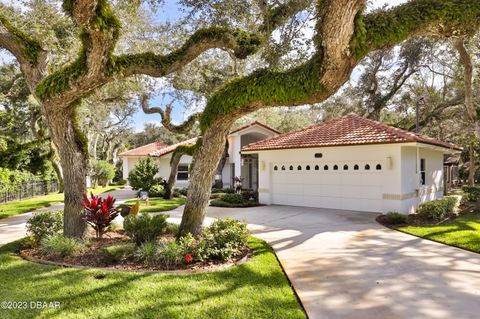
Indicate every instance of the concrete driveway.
{"type": "Point", "coordinates": [345, 265]}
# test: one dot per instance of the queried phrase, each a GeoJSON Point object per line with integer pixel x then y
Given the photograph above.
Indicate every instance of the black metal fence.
{"type": "Point", "coordinates": [28, 190]}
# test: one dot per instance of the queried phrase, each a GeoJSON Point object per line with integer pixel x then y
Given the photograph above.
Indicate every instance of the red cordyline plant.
{"type": "Point", "coordinates": [99, 212]}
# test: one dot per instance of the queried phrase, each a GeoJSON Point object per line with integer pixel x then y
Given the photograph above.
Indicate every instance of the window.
{"type": "Point", "coordinates": [317, 167]}
{"type": "Point", "coordinates": [307, 168]}
{"type": "Point", "coordinates": [275, 168]}
{"type": "Point", "coordinates": [283, 167]}
{"type": "Point", "coordinates": [335, 167]}
{"type": "Point", "coordinates": [422, 172]}
{"type": "Point", "coordinates": [345, 167]}
{"type": "Point", "coordinates": [378, 167]}
{"type": "Point", "coordinates": [325, 168]}
{"type": "Point", "coordinates": [291, 168]}
{"type": "Point", "coordinates": [367, 167]}
{"type": "Point", "coordinates": [355, 167]}
{"type": "Point", "coordinates": [182, 173]}
{"type": "Point", "coordinates": [318, 155]}
{"type": "Point", "coordinates": [299, 168]}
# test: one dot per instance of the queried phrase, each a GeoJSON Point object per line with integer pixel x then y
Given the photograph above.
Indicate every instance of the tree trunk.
{"type": "Point", "coordinates": [473, 167]}
{"type": "Point", "coordinates": [168, 194]}
{"type": "Point", "coordinates": [58, 171]}
{"type": "Point", "coordinates": [219, 182]}
{"type": "Point", "coordinates": [205, 163]}
{"type": "Point", "coordinates": [73, 157]}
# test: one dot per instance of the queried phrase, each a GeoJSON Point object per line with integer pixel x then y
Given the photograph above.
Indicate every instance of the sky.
{"type": "Point", "coordinates": [171, 12]}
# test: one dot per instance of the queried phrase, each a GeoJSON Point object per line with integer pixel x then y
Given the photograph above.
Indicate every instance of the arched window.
{"type": "Point", "coordinates": [283, 167]}
{"type": "Point", "coordinates": [367, 167]}
{"type": "Point", "coordinates": [275, 168]}
{"type": "Point", "coordinates": [335, 167]}
{"type": "Point", "coordinates": [307, 167]}
{"type": "Point", "coordinates": [317, 167]}
{"type": "Point", "coordinates": [291, 167]}
{"type": "Point", "coordinates": [299, 167]}
{"type": "Point", "coordinates": [378, 167]}
{"type": "Point", "coordinates": [355, 167]}
{"type": "Point", "coordinates": [345, 167]}
{"type": "Point", "coordinates": [325, 168]}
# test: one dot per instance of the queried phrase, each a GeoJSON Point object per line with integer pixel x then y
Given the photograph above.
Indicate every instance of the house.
{"type": "Point", "coordinates": [350, 163]}
{"type": "Point", "coordinates": [236, 165]}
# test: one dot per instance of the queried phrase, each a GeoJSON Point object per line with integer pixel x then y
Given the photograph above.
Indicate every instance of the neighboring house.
{"type": "Point", "coordinates": [350, 163]}
{"type": "Point", "coordinates": [236, 164]}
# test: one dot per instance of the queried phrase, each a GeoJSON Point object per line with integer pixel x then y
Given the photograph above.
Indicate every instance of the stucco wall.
{"type": "Point", "coordinates": [395, 184]}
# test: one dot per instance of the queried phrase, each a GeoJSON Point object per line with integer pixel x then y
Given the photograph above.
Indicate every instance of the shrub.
{"type": "Point", "coordinates": [117, 253]}
{"type": "Point", "coordinates": [103, 172]}
{"type": "Point", "coordinates": [45, 224]}
{"type": "Point", "coordinates": [57, 246]}
{"type": "Point", "coordinates": [472, 193]}
{"type": "Point", "coordinates": [222, 239]}
{"type": "Point", "coordinates": [182, 191]}
{"type": "Point", "coordinates": [142, 176]}
{"type": "Point", "coordinates": [156, 191]}
{"type": "Point", "coordinates": [99, 212]}
{"type": "Point", "coordinates": [122, 182]}
{"type": "Point", "coordinates": [232, 198]}
{"type": "Point", "coordinates": [172, 229]}
{"type": "Point", "coordinates": [249, 195]}
{"type": "Point", "coordinates": [147, 253]}
{"type": "Point", "coordinates": [169, 254]}
{"type": "Point", "coordinates": [189, 246]}
{"type": "Point", "coordinates": [395, 218]}
{"type": "Point", "coordinates": [145, 227]}
{"type": "Point", "coordinates": [438, 209]}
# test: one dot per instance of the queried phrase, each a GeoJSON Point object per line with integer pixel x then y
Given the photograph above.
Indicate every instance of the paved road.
{"type": "Point", "coordinates": [13, 228]}
{"type": "Point", "coordinates": [345, 265]}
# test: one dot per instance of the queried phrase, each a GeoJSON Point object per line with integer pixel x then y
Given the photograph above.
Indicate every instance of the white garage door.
{"type": "Point", "coordinates": [350, 185]}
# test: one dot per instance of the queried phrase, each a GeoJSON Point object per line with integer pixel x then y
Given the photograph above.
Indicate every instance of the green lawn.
{"type": "Point", "coordinates": [157, 204]}
{"type": "Point", "coordinates": [255, 289]}
{"type": "Point", "coordinates": [463, 232]}
{"type": "Point", "coordinates": [27, 205]}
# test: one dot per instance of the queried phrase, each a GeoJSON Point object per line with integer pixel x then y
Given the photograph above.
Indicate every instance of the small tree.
{"type": "Point", "coordinates": [103, 172]}
{"type": "Point", "coordinates": [142, 176]}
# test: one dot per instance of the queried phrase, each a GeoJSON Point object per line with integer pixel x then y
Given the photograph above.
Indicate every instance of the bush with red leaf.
{"type": "Point", "coordinates": [99, 212]}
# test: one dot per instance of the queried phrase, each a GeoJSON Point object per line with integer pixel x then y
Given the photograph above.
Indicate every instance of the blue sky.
{"type": "Point", "coordinates": [171, 11]}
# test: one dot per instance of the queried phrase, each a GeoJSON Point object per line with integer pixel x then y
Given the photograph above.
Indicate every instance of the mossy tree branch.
{"type": "Point", "coordinates": [183, 128]}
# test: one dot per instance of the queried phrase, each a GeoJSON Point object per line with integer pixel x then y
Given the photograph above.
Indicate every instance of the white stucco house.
{"type": "Point", "coordinates": [236, 165]}
{"type": "Point", "coordinates": [350, 163]}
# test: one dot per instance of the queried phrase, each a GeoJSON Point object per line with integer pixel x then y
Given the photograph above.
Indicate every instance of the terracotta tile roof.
{"type": "Point", "coordinates": [351, 129]}
{"type": "Point", "coordinates": [144, 150]}
{"type": "Point", "coordinates": [156, 149]}
{"type": "Point", "coordinates": [171, 148]}
{"type": "Point", "coordinates": [241, 128]}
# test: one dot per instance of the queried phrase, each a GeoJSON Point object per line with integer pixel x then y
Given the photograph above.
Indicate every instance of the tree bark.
{"type": "Point", "coordinates": [473, 167]}
{"type": "Point", "coordinates": [219, 182]}
{"type": "Point", "coordinates": [206, 160]}
{"type": "Point", "coordinates": [74, 158]}
{"type": "Point", "coordinates": [168, 194]}
{"type": "Point", "coordinates": [58, 171]}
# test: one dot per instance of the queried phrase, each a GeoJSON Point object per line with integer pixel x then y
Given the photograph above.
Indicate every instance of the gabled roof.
{"type": "Point", "coordinates": [156, 149]}
{"type": "Point", "coordinates": [351, 129]}
{"type": "Point", "coordinates": [241, 128]}
{"type": "Point", "coordinates": [144, 150]}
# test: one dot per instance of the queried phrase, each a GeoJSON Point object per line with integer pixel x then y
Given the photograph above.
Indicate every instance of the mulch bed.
{"type": "Point", "coordinates": [93, 257]}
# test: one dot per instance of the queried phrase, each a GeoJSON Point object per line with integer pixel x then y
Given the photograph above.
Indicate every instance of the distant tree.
{"type": "Point", "coordinates": [103, 172]}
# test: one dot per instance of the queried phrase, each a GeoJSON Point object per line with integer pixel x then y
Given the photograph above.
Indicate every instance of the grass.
{"type": "Point", "coordinates": [28, 205]}
{"type": "Point", "coordinates": [255, 289]}
{"type": "Point", "coordinates": [463, 232]}
{"type": "Point", "coordinates": [158, 204]}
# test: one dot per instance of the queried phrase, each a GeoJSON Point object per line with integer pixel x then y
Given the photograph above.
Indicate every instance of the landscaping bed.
{"type": "Point", "coordinates": [245, 199]}
{"type": "Point", "coordinates": [453, 221]}
{"type": "Point", "coordinates": [98, 253]}
{"type": "Point", "coordinates": [257, 288]}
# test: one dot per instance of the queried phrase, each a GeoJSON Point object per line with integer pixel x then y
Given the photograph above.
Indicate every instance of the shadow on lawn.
{"type": "Point", "coordinates": [230, 293]}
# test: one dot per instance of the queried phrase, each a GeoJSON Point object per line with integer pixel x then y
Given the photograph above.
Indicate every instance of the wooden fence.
{"type": "Point", "coordinates": [29, 190]}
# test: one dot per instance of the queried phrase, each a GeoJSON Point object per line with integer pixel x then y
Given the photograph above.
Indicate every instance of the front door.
{"type": "Point", "coordinates": [250, 172]}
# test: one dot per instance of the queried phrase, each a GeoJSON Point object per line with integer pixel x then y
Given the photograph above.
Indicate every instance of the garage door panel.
{"type": "Point", "coordinates": [349, 190]}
